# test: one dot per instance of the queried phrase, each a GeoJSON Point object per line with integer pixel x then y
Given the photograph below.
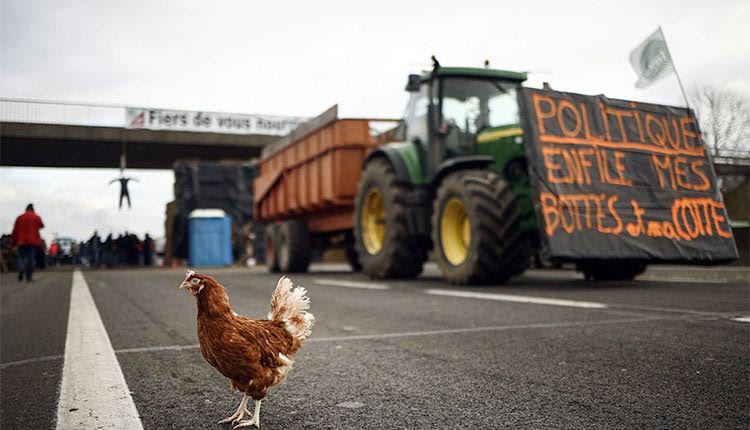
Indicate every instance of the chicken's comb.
{"type": "Point", "coordinates": [189, 273]}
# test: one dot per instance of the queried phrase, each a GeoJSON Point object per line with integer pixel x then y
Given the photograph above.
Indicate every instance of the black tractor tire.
{"type": "Point", "coordinates": [611, 270]}
{"type": "Point", "coordinates": [400, 254]}
{"type": "Point", "coordinates": [271, 242]}
{"type": "Point", "coordinates": [496, 248]}
{"type": "Point", "coordinates": [294, 247]}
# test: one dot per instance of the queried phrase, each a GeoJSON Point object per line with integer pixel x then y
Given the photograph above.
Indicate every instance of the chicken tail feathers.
{"type": "Point", "coordinates": [289, 305]}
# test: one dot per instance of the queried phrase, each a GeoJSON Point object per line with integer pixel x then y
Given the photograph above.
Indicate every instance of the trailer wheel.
{"type": "Point", "coordinates": [383, 242]}
{"type": "Point", "coordinates": [271, 240]}
{"type": "Point", "coordinates": [476, 229]}
{"type": "Point", "coordinates": [611, 270]}
{"type": "Point", "coordinates": [293, 248]}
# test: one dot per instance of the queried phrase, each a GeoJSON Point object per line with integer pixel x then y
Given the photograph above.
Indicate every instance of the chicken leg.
{"type": "Point", "coordinates": [254, 421]}
{"type": "Point", "coordinates": [241, 411]}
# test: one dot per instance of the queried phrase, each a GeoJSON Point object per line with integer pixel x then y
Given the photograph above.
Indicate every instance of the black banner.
{"type": "Point", "coordinates": [616, 179]}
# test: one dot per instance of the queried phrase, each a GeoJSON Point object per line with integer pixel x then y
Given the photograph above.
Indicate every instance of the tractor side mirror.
{"type": "Point", "coordinates": [413, 83]}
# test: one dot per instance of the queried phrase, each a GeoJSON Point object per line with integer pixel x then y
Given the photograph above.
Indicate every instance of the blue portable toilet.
{"type": "Point", "coordinates": [210, 238]}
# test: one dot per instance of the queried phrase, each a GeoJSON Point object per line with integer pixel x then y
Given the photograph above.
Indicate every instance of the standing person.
{"type": "Point", "coordinates": [148, 250]}
{"type": "Point", "coordinates": [54, 251]}
{"type": "Point", "coordinates": [95, 245]}
{"type": "Point", "coordinates": [26, 237]}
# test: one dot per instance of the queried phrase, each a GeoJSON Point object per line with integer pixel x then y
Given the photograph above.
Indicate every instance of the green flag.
{"type": "Point", "coordinates": [651, 60]}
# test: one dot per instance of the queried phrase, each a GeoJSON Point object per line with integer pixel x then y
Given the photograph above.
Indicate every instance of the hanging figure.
{"type": "Point", "coordinates": [123, 188]}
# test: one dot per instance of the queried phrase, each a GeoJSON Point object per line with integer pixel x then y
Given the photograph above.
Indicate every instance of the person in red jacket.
{"type": "Point", "coordinates": [26, 237]}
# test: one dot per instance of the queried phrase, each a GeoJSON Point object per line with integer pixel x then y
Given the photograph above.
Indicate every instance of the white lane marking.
{"type": "Point", "coordinates": [684, 280]}
{"type": "Point", "coordinates": [425, 333]}
{"type": "Point", "coordinates": [674, 310]}
{"type": "Point", "coordinates": [4, 366]}
{"type": "Point", "coordinates": [515, 298]}
{"type": "Point", "coordinates": [481, 329]}
{"type": "Point", "coordinates": [742, 319]}
{"type": "Point", "coordinates": [351, 284]}
{"type": "Point", "coordinates": [93, 392]}
{"type": "Point", "coordinates": [157, 348]}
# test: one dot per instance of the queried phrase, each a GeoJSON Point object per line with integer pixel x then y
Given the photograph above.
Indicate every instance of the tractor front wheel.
{"type": "Point", "coordinates": [476, 229]}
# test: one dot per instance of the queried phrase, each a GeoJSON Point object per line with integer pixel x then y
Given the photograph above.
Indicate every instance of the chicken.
{"type": "Point", "coordinates": [255, 354]}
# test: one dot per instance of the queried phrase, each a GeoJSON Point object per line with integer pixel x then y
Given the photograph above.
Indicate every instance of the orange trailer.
{"type": "Point", "coordinates": [306, 187]}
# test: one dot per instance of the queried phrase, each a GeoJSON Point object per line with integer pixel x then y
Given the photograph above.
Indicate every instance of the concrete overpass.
{"type": "Point", "coordinates": [60, 134]}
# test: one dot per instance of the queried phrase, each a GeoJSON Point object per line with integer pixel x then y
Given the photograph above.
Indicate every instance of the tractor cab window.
{"type": "Point", "coordinates": [470, 106]}
{"type": "Point", "coordinates": [416, 116]}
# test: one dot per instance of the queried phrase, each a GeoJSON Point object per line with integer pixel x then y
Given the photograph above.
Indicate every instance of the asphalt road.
{"type": "Point", "coordinates": [547, 350]}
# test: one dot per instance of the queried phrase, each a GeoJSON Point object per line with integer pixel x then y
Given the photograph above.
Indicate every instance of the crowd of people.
{"type": "Point", "coordinates": [124, 250]}
{"type": "Point", "coordinates": [24, 249]}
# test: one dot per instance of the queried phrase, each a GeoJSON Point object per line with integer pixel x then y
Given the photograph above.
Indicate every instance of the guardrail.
{"type": "Point", "coordinates": [61, 113]}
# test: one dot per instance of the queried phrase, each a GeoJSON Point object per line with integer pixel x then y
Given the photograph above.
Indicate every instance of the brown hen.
{"type": "Point", "coordinates": [255, 354]}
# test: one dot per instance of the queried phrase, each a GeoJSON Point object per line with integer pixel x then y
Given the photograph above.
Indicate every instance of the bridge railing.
{"type": "Point", "coordinates": [61, 113]}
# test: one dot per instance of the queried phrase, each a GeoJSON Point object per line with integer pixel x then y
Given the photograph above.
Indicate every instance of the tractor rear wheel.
{"type": "Point", "coordinates": [293, 247]}
{"type": "Point", "coordinates": [271, 240]}
{"type": "Point", "coordinates": [385, 246]}
{"type": "Point", "coordinates": [476, 229]}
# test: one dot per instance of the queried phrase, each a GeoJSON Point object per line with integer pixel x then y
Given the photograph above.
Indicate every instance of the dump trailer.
{"type": "Point", "coordinates": [306, 187]}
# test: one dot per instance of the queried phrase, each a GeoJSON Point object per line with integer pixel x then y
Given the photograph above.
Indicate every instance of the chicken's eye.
{"type": "Point", "coordinates": [194, 281]}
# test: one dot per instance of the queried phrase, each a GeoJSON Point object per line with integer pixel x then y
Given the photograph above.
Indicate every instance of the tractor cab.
{"type": "Point", "coordinates": [458, 112]}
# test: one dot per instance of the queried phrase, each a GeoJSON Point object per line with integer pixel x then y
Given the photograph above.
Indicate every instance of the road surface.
{"type": "Point", "coordinates": [548, 350]}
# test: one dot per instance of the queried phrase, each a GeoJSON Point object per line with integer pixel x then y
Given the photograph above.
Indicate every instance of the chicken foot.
{"type": "Point", "coordinates": [241, 411]}
{"type": "Point", "coordinates": [254, 421]}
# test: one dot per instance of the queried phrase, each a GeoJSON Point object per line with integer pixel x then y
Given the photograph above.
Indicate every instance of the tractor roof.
{"type": "Point", "coordinates": [480, 73]}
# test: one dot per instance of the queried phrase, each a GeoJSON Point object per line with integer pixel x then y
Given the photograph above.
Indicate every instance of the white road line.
{"type": "Point", "coordinates": [157, 348]}
{"type": "Point", "coordinates": [4, 366]}
{"type": "Point", "coordinates": [683, 280]}
{"type": "Point", "coordinates": [351, 284]}
{"type": "Point", "coordinates": [93, 393]}
{"type": "Point", "coordinates": [481, 329]}
{"type": "Point", "coordinates": [425, 333]}
{"type": "Point", "coordinates": [742, 319]}
{"type": "Point", "coordinates": [518, 299]}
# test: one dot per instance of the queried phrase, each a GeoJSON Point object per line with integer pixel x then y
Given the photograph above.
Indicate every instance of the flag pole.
{"type": "Point", "coordinates": [674, 67]}
{"type": "Point", "coordinates": [684, 96]}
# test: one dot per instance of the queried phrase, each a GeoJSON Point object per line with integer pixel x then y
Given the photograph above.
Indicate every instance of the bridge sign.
{"type": "Point", "coordinates": [211, 122]}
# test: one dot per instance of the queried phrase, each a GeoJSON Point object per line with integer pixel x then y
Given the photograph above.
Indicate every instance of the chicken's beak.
{"type": "Point", "coordinates": [184, 285]}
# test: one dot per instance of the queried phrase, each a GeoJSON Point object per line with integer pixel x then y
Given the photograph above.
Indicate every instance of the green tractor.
{"type": "Point", "coordinates": [457, 182]}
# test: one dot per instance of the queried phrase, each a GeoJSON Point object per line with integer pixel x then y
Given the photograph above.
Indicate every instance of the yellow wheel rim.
{"type": "Point", "coordinates": [373, 222]}
{"type": "Point", "coordinates": [455, 232]}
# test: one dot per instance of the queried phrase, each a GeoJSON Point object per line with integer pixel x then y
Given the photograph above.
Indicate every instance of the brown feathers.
{"type": "Point", "coordinates": [255, 354]}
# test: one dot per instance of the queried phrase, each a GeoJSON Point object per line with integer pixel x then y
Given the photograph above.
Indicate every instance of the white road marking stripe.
{"type": "Point", "coordinates": [518, 299]}
{"type": "Point", "coordinates": [425, 333]}
{"type": "Point", "coordinates": [481, 329]}
{"type": "Point", "coordinates": [157, 348]}
{"type": "Point", "coordinates": [93, 393]}
{"type": "Point", "coordinates": [683, 280]}
{"type": "Point", "coordinates": [30, 360]}
{"type": "Point", "coordinates": [351, 284]}
{"type": "Point", "coordinates": [742, 319]}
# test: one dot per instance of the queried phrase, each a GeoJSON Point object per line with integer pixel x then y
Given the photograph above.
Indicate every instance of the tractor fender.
{"type": "Point", "coordinates": [395, 160]}
{"type": "Point", "coordinates": [460, 163]}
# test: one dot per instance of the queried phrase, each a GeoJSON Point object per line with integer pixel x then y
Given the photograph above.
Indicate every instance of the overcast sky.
{"type": "Point", "coordinates": [298, 58]}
